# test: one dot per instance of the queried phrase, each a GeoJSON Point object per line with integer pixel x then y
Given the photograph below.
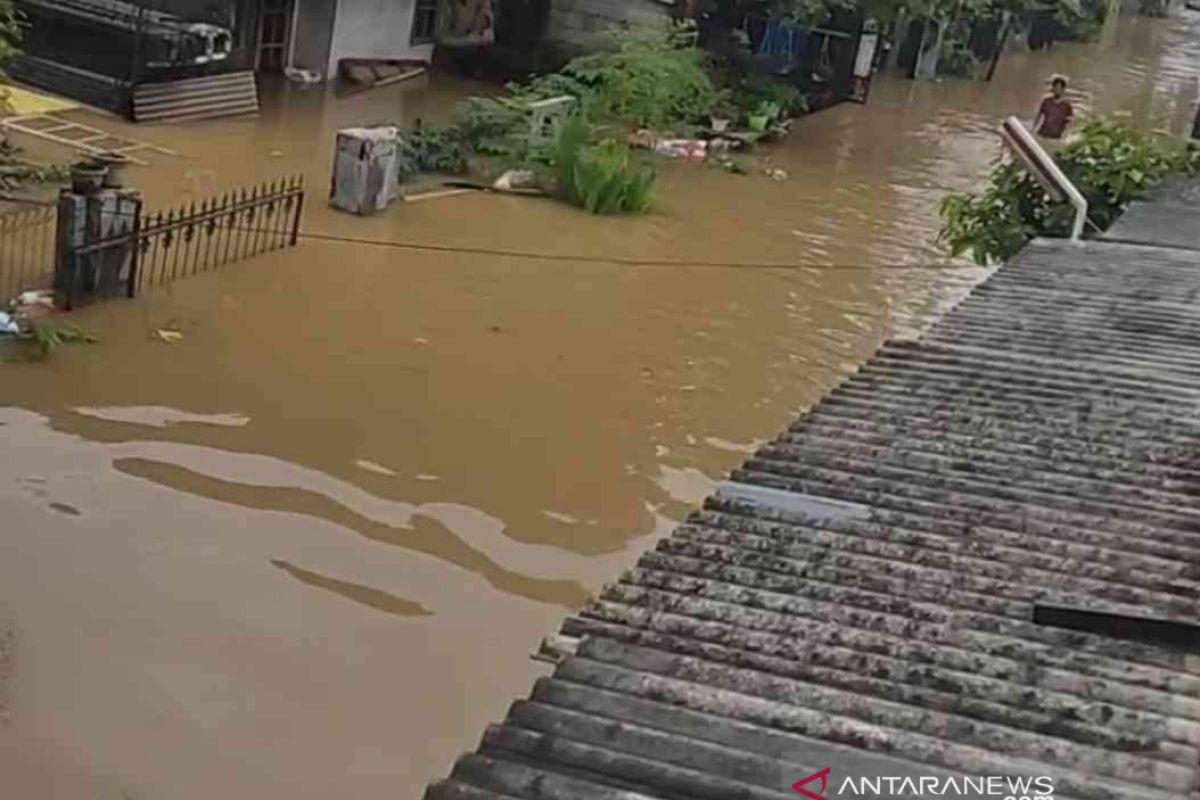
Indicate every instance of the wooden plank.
{"type": "Point", "coordinates": [85, 143]}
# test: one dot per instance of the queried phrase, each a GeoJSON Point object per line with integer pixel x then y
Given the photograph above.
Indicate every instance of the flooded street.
{"type": "Point", "coordinates": [305, 551]}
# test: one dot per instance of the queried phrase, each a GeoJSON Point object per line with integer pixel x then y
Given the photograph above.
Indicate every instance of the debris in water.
{"type": "Point", "coordinates": [168, 335]}
{"type": "Point", "coordinates": [424, 477]}
{"type": "Point", "coordinates": [776, 174]}
{"type": "Point", "coordinates": [371, 466]}
{"type": "Point", "coordinates": [63, 508]}
{"type": "Point", "coordinates": [748, 448]}
{"type": "Point", "coordinates": [695, 149]}
{"type": "Point", "coordinates": [516, 179]}
{"type": "Point", "coordinates": [304, 77]}
{"type": "Point", "coordinates": [44, 297]}
{"type": "Point", "coordinates": [420, 340]}
{"type": "Point", "coordinates": [159, 416]}
{"type": "Point", "coordinates": [8, 324]}
{"type": "Point", "coordinates": [558, 516]}
{"type": "Point", "coordinates": [731, 165]}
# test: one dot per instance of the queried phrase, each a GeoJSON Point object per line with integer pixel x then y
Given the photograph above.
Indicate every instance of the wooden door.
{"type": "Point", "coordinates": [274, 34]}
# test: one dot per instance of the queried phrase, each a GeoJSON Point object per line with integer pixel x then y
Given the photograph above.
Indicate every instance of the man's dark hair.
{"type": "Point", "coordinates": [1059, 81]}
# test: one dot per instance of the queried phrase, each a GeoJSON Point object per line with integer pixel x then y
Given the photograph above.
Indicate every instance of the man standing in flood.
{"type": "Point", "coordinates": [1055, 112]}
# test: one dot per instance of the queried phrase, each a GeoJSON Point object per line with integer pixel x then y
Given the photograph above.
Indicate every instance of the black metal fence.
{"type": "Point", "coordinates": [26, 250]}
{"type": "Point", "coordinates": [155, 249]}
{"type": "Point", "coordinates": [198, 238]}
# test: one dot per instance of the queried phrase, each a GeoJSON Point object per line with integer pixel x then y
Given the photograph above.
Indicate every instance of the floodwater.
{"type": "Point", "coordinates": [305, 551]}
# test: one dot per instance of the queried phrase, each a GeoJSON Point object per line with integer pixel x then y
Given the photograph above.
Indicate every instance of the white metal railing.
{"type": "Point", "coordinates": [1041, 166]}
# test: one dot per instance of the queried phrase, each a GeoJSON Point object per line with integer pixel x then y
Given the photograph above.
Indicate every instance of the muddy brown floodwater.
{"type": "Point", "coordinates": [305, 551]}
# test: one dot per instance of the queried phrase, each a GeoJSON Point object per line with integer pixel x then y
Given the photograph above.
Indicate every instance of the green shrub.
{"type": "Point", "coordinates": [655, 82]}
{"type": "Point", "coordinates": [754, 91]}
{"type": "Point", "coordinates": [44, 338]}
{"type": "Point", "coordinates": [1110, 162]}
{"type": "Point", "coordinates": [601, 178]}
{"type": "Point", "coordinates": [494, 126]}
{"type": "Point", "coordinates": [440, 150]}
{"type": "Point", "coordinates": [994, 224]}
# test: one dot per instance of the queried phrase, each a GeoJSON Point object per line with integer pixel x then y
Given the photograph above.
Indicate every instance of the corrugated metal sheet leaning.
{"type": "Point", "coordinates": [860, 596]}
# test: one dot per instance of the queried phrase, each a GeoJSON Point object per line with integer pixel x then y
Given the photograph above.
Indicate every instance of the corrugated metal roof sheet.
{"type": "Point", "coordinates": [860, 596]}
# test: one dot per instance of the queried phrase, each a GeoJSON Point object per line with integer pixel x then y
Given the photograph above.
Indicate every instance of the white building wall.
{"type": "Point", "coordinates": [374, 29]}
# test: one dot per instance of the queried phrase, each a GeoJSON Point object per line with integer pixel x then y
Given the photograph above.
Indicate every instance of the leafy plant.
{"type": "Point", "coordinates": [494, 126]}
{"type": "Point", "coordinates": [768, 109]}
{"type": "Point", "coordinates": [646, 81]}
{"type": "Point", "coordinates": [441, 150]}
{"type": "Point", "coordinates": [656, 81]}
{"type": "Point", "coordinates": [755, 90]}
{"type": "Point", "coordinates": [1110, 162]}
{"type": "Point", "coordinates": [994, 224]}
{"type": "Point", "coordinates": [723, 106]}
{"type": "Point", "coordinates": [11, 31]}
{"type": "Point", "coordinates": [601, 178]}
{"type": "Point", "coordinates": [499, 126]}
{"type": "Point", "coordinates": [47, 337]}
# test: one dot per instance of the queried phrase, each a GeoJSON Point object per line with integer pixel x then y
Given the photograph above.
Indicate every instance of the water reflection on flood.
{"type": "Point", "coordinates": [304, 551]}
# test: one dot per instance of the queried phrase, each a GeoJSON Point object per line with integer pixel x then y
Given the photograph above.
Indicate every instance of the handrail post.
{"type": "Point", "coordinates": [1045, 171]}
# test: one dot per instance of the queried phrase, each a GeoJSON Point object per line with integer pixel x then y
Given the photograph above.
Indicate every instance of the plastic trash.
{"type": "Point", "coordinates": [304, 77]}
{"type": "Point", "coordinates": [8, 325]}
{"type": "Point", "coordinates": [168, 336]}
{"type": "Point", "coordinates": [682, 148]}
{"type": "Point", "coordinates": [515, 179]}
{"type": "Point", "coordinates": [37, 298]}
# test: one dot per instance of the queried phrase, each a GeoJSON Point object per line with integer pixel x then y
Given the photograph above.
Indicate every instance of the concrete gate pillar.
{"type": "Point", "coordinates": [84, 221]}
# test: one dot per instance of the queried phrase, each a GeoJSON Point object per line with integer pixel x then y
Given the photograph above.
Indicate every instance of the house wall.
{"type": "Point", "coordinates": [373, 29]}
{"type": "Point", "coordinates": [575, 26]}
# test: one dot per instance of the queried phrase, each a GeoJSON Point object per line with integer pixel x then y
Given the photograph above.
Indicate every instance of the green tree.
{"type": "Point", "coordinates": [11, 30]}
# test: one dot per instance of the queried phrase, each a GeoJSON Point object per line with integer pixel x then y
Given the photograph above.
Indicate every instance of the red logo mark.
{"type": "Point", "coordinates": [798, 786]}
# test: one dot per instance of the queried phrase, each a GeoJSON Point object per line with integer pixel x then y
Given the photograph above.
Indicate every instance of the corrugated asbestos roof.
{"type": "Point", "coordinates": [860, 595]}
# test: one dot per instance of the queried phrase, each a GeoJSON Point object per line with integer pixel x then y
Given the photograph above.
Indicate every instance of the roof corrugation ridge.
{"type": "Point", "coordinates": [1037, 446]}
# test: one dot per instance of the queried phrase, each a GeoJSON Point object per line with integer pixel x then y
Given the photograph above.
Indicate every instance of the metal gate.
{"type": "Point", "coordinates": [146, 250]}
{"type": "Point", "coordinates": [26, 250]}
